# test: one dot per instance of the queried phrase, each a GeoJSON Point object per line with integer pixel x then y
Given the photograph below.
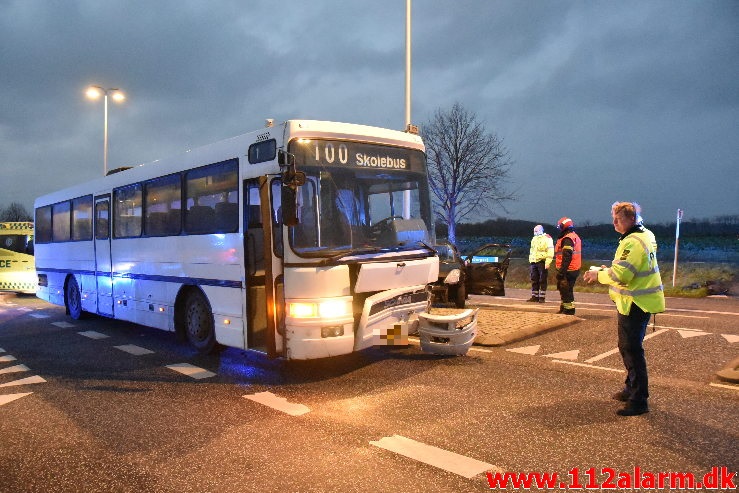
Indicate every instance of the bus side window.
{"type": "Point", "coordinates": [102, 224]}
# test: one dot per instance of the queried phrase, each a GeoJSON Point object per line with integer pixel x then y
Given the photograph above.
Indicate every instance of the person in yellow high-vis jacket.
{"type": "Point", "coordinates": [635, 286]}
{"type": "Point", "coordinates": [541, 254]}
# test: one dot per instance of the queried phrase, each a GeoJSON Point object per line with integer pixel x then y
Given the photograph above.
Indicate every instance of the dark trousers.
{"type": "Point", "coordinates": [566, 290]}
{"type": "Point", "coordinates": [631, 331]}
{"type": "Point", "coordinates": [538, 279]}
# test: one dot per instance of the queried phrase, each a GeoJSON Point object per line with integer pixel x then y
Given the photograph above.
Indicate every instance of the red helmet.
{"type": "Point", "coordinates": [564, 223]}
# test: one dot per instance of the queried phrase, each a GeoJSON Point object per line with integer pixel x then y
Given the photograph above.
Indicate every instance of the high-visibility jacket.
{"type": "Point", "coordinates": [542, 248]}
{"type": "Point", "coordinates": [576, 251]}
{"type": "Point", "coordinates": [634, 274]}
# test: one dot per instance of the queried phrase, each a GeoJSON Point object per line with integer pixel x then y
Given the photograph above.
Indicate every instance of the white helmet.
{"type": "Point", "coordinates": [538, 230]}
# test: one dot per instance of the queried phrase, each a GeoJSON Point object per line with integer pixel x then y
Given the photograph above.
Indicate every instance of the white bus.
{"type": "Point", "coordinates": [303, 240]}
{"type": "Point", "coordinates": [17, 273]}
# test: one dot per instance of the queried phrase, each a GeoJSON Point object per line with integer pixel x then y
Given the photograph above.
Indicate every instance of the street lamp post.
{"type": "Point", "coordinates": [94, 92]}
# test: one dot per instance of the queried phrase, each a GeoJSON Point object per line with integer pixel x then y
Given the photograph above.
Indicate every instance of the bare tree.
{"type": "Point", "coordinates": [468, 167]}
{"type": "Point", "coordinates": [14, 212]}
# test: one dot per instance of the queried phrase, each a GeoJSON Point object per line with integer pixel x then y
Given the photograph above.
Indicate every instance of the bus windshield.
{"type": "Point", "coordinates": [369, 197]}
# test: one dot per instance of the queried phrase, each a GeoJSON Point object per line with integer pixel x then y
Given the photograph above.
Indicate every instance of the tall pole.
{"type": "Point", "coordinates": [94, 92]}
{"type": "Point", "coordinates": [407, 63]}
{"type": "Point", "coordinates": [407, 193]}
{"type": "Point", "coordinates": [105, 136]}
{"type": "Point", "coordinates": [677, 241]}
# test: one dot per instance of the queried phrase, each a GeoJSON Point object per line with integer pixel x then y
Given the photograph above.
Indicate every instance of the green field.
{"type": "Point", "coordinates": [706, 265]}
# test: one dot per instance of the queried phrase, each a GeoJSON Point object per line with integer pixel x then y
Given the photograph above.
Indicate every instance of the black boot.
{"type": "Point", "coordinates": [633, 409]}
{"type": "Point", "coordinates": [533, 299]}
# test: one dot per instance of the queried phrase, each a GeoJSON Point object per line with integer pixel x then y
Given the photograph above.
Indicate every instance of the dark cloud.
{"type": "Point", "coordinates": [596, 101]}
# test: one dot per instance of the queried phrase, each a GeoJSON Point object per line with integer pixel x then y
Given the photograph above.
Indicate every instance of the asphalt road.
{"type": "Point", "coordinates": [100, 405]}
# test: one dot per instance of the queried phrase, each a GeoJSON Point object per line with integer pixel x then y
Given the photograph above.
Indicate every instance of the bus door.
{"type": "Point", "coordinates": [256, 257]}
{"type": "Point", "coordinates": [103, 264]}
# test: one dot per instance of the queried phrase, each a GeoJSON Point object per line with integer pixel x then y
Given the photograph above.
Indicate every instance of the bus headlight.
{"type": "Point", "coordinates": [323, 309]}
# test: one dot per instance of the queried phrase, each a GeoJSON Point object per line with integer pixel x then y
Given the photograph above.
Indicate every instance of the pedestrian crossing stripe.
{"type": "Point", "coordinates": [14, 369]}
{"type": "Point", "coordinates": [24, 381]}
{"type": "Point", "coordinates": [279, 403]}
{"type": "Point", "coordinates": [730, 337]}
{"type": "Point", "coordinates": [4, 399]}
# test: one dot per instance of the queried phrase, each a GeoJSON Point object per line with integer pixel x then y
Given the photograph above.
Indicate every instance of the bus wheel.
{"type": "Point", "coordinates": [199, 327]}
{"type": "Point", "coordinates": [73, 299]}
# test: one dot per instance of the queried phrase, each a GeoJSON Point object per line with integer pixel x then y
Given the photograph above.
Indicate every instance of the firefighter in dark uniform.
{"type": "Point", "coordinates": [567, 260]}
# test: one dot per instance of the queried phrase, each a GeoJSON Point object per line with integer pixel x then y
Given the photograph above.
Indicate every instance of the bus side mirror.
{"type": "Point", "coordinates": [289, 201]}
{"type": "Point", "coordinates": [290, 177]}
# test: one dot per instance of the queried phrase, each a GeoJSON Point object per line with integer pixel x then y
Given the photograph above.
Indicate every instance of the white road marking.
{"type": "Point", "coordinates": [133, 349]}
{"type": "Point", "coordinates": [63, 325]}
{"type": "Point", "coordinates": [5, 359]}
{"type": "Point", "coordinates": [434, 456]}
{"type": "Point", "coordinates": [2, 350]}
{"type": "Point", "coordinates": [24, 381]}
{"type": "Point", "coordinates": [614, 351]}
{"type": "Point", "coordinates": [14, 369]}
{"type": "Point", "coordinates": [191, 370]}
{"type": "Point", "coordinates": [725, 386]}
{"type": "Point", "coordinates": [4, 399]}
{"type": "Point", "coordinates": [686, 334]}
{"type": "Point", "coordinates": [93, 335]}
{"type": "Point", "coordinates": [525, 350]}
{"type": "Point", "coordinates": [39, 315]}
{"type": "Point", "coordinates": [278, 403]}
{"type": "Point", "coordinates": [568, 355]}
{"type": "Point", "coordinates": [588, 366]}
{"type": "Point", "coordinates": [730, 337]}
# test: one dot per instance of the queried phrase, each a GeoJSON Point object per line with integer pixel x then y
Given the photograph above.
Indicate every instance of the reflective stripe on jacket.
{"type": "Point", "coordinates": [576, 251]}
{"type": "Point", "coordinates": [634, 274]}
{"type": "Point", "coordinates": [542, 248]}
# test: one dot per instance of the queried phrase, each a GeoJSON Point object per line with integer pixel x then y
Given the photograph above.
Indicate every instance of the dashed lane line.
{"type": "Point", "coordinates": [91, 334]}
{"type": "Point", "coordinates": [39, 315]}
{"type": "Point", "coordinates": [133, 349]}
{"type": "Point", "coordinates": [279, 403]}
{"type": "Point", "coordinates": [191, 370]}
{"type": "Point", "coordinates": [7, 358]}
{"type": "Point", "coordinates": [62, 324]}
{"type": "Point", "coordinates": [434, 456]}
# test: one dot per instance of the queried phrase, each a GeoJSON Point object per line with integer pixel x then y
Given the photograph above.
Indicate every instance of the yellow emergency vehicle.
{"type": "Point", "coordinates": [17, 267]}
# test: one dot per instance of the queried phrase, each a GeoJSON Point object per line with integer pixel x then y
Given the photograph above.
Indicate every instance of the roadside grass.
{"type": "Point", "coordinates": [693, 280]}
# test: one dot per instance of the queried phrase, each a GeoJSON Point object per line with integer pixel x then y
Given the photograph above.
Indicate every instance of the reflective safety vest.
{"type": "Point", "coordinates": [542, 248]}
{"type": "Point", "coordinates": [634, 274]}
{"type": "Point", "coordinates": [576, 252]}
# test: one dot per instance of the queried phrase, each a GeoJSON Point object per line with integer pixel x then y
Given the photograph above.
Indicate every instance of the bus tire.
{"type": "Point", "coordinates": [73, 300]}
{"type": "Point", "coordinates": [198, 322]}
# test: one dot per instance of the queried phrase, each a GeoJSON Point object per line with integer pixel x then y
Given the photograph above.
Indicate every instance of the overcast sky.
{"type": "Point", "coordinates": [596, 101]}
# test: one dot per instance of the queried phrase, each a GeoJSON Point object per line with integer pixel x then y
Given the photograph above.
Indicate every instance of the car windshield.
{"type": "Point", "coordinates": [347, 209]}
